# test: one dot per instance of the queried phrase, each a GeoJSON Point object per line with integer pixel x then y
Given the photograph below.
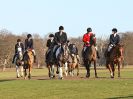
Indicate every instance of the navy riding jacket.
{"type": "Point", "coordinates": [29, 44]}
{"type": "Point", "coordinates": [114, 40]}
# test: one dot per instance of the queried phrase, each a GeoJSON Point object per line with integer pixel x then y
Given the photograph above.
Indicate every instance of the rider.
{"type": "Point", "coordinates": [29, 45]}
{"type": "Point", "coordinates": [60, 38]}
{"type": "Point", "coordinates": [114, 40]}
{"type": "Point", "coordinates": [50, 44]}
{"type": "Point", "coordinates": [89, 39]}
{"type": "Point", "coordinates": [18, 47]}
{"type": "Point", "coordinates": [73, 49]}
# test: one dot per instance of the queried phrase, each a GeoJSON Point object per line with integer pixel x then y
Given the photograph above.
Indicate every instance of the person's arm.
{"type": "Point", "coordinates": [84, 39]}
{"type": "Point", "coordinates": [48, 43]}
{"type": "Point", "coordinates": [22, 46]}
{"type": "Point", "coordinates": [15, 48]}
{"type": "Point", "coordinates": [26, 41]}
{"type": "Point", "coordinates": [111, 40]}
{"type": "Point", "coordinates": [65, 38]}
{"type": "Point", "coordinates": [55, 38]}
{"type": "Point", "coordinates": [118, 39]}
{"type": "Point", "coordinates": [31, 41]}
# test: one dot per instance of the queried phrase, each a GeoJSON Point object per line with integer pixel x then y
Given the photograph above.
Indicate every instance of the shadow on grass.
{"type": "Point", "coordinates": [122, 97]}
{"type": "Point", "coordinates": [4, 80]}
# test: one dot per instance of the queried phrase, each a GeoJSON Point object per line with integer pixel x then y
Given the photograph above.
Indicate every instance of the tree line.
{"type": "Point", "coordinates": [9, 39]}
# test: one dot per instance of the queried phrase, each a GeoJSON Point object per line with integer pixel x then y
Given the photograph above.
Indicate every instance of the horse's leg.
{"type": "Point", "coordinates": [17, 71]}
{"type": "Point", "coordinates": [95, 69]}
{"type": "Point", "coordinates": [60, 72]}
{"type": "Point", "coordinates": [113, 69]}
{"type": "Point", "coordinates": [57, 72]}
{"type": "Point", "coordinates": [110, 69]}
{"type": "Point", "coordinates": [29, 71]}
{"type": "Point", "coordinates": [25, 73]}
{"type": "Point", "coordinates": [49, 73]}
{"type": "Point", "coordinates": [66, 68]}
{"type": "Point", "coordinates": [22, 70]}
{"type": "Point", "coordinates": [77, 69]}
{"type": "Point", "coordinates": [88, 69]}
{"type": "Point", "coordinates": [118, 69]}
{"type": "Point", "coordinates": [52, 71]}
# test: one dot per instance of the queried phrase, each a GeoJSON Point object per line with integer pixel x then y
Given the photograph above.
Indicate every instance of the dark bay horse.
{"type": "Point", "coordinates": [50, 63]}
{"type": "Point", "coordinates": [28, 62]}
{"type": "Point", "coordinates": [115, 58]}
{"type": "Point", "coordinates": [90, 56]}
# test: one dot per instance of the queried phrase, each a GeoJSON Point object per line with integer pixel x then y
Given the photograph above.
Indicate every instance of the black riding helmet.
{"type": "Point", "coordinates": [18, 40]}
{"type": "Point", "coordinates": [51, 35]}
{"type": "Point", "coordinates": [89, 29]}
{"type": "Point", "coordinates": [29, 35]}
{"type": "Point", "coordinates": [61, 28]}
{"type": "Point", "coordinates": [114, 30]}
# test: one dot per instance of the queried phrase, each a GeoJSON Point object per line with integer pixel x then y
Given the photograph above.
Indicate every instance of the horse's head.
{"type": "Point", "coordinates": [119, 49]}
{"type": "Point", "coordinates": [65, 49]}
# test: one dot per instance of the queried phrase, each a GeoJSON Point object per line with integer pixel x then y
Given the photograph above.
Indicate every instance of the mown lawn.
{"type": "Point", "coordinates": [43, 88]}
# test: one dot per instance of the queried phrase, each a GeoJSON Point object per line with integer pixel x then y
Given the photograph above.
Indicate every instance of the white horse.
{"type": "Point", "coordinates": [18, 63]}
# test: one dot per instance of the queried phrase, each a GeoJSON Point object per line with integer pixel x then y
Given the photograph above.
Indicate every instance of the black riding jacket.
{"type": "Point", "coordinates": [60, 38]}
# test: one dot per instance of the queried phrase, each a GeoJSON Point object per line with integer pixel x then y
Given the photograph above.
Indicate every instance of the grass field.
{"type": "Point", "coordinates": [41, 87]}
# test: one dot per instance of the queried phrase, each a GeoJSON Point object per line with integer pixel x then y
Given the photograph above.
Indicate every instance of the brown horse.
{"type": "Point", "coordinates": [28, 62]}
{"type": "Point", "coordinates": [115, 58]}
{"type": "Point", "coordinates": [89, 56]}
{"type": "Point", "coordinates": [73, 63]}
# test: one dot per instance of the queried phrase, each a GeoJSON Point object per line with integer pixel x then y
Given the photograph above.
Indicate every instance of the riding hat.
{"type": "Point", "coordinates": [29, 35]}
{"type": "Point", "coordinates": [114, 30]}
{"type": "Point", "coordinates": [89, 29]}
{"type": "Point", "coordinates": [61, 28]}
{"type": "Point", "coordinates": [51, 35]}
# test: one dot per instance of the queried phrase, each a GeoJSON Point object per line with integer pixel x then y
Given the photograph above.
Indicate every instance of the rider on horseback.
{"type": "Point", "coordinates": [18, 47]}
{"type": "Point", "coordinates": [60, 38]}
{"type": "Point", "coordinates": [89, 39]}
{"type": "Point", "coordinates": [73, 50]}
{"type": "Point", "coordinates": [114, 40]}
{"type": "Point", "coordinates": [29, 45]}
{"type": "Point", "coordinates": [50, 44]}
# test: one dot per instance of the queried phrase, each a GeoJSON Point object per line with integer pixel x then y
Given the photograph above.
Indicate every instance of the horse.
{"type": "Point", "coordinates": [28, 62]}
{"type": "Point", "coordinates": [72, 64]}
{"type": "Point", "coordinates": [62, 56]}
{"type": "Point", "coordinates": [89, 56]}
{"type": "Point", "coordinates": [50, 63]}
{"type": "Point", "coordinates": [18, 63]}
{"type": "Point", "coordinates": [115, 58]}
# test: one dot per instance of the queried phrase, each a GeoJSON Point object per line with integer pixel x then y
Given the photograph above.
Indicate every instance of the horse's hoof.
{"type": "Point", "coordinates": [54, 76]}
{"type": "Point", "coordinates": [61, 78]}
{"type": "Point", "coordinates": [112, 76]}
{"type": "Point", "coordinates": [88, 75]}
{"type": "Point", "coordinates": [57, 72]}
{"type": "Point", "coordinates": [29, 76]}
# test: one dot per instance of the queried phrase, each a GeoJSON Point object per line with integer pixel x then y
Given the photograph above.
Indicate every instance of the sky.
{"type": "Point", "coordinates": [45, 16]}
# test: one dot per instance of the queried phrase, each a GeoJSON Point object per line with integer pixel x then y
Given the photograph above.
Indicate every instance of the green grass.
{"type": "Point", "coordinates": [101, 88]}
